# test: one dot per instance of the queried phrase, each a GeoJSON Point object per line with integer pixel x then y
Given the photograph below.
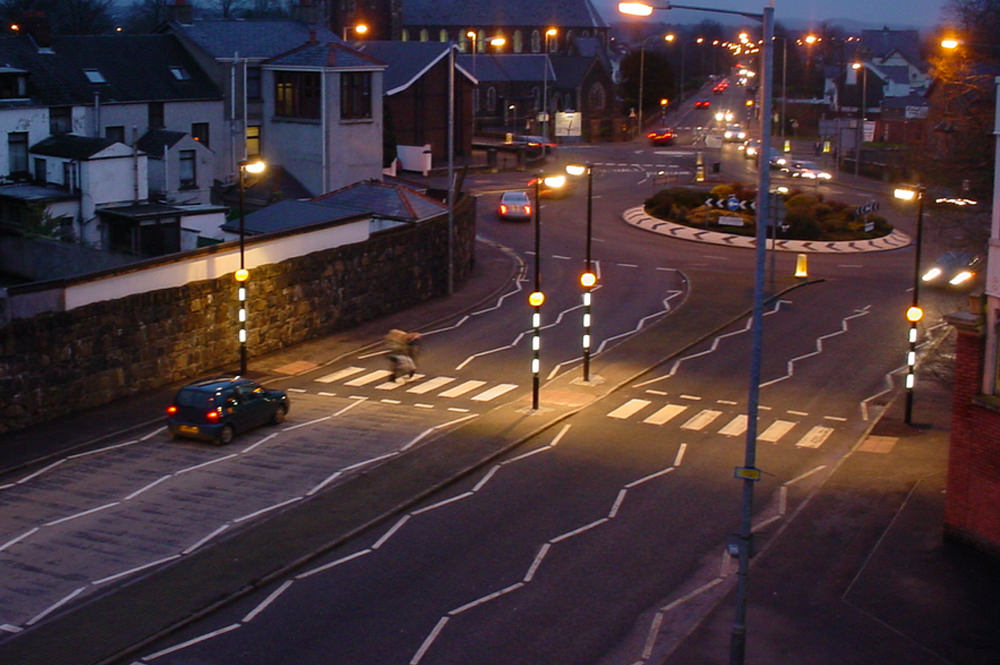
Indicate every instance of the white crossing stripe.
{"type": "Point", "coordinates": [629, 409]}
{"type": "Point", "coordinates": [702, 420]}
{"type": "Point", "coordinates": [340, 374]}
{"type": "Point", "coordinates": [735, 427]}
{"type": "Point", "coordinates": [428, 386]}
{"type": "Point", "coordinates": [370, 377]}
{"type": "Point", "coordinates": [494, 392]}
{"type": "Point", "coordinates": [392, 385]}
{"type": "Point", "coordinates": [815, 437]}
{"type": "Point", "coordinates": [462, 388]}
{"type": "Point", "coordinates": [776, 430]}
{"type": "Point", "coordinates": [663, 415]}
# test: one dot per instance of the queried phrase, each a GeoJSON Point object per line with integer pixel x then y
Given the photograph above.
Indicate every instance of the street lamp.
{"type": "Point", "coordinates": [587, 278]}
{"type": "Point", "coordinates": [914, 312]}
{"type": "Point", "coordinates": [748, 473]}
{"type": "Point", "coordinates": [551, 32]}
{"type": "Point", "coordinates": [642, 70]}
{"type": "Point", "coordinates": [861, 113]}
{"type": "Point", "coordinates": [359, 29]}
{"type": "Point", "coordinates": [254, 167]}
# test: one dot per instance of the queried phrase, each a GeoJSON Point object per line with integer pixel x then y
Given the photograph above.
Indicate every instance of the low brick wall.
{"type": "Point", "coordinates": [59, 362]}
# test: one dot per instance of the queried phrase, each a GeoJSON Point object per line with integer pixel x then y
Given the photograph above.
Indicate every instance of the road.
{"type": "Point", "coordinates": [555, 552]}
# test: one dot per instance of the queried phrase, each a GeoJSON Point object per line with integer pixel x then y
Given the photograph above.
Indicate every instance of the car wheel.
{"type": "Point", "coordinates": [226, 435]}
{"type": "Point", "coordinates": [279, 415]}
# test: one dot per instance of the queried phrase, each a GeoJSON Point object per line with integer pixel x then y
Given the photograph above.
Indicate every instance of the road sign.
{"type": "Point", "coordinates": [731, 203]}
{"type": "Point", "coordinates": [867, 208]}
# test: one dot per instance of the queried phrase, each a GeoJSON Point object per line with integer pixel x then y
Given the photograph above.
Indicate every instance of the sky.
{"type": "Point", "coordinates": [896, 14]}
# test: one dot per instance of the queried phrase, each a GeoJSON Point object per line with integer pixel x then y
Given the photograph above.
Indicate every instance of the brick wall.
{"type": "Point", "coordinates": [972, 505]}
{"type": "Point", "coordinates": [59, 362]}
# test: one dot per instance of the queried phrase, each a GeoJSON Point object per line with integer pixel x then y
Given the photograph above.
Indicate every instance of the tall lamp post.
{"type": "Point", "coordinates": [254, 167]}
{"type": "Point", "coordinates": [536, 298]}
{"type": "Point", "coordinates": [914, 313]}
{"type": "Point", "coordinates": [471, 34]}
{"type": "Point", "coordinates": [861, 114]}
{"type": "Point", "coordinates": [551, 32]}
{"type": "Point", "coordinates": [748, 473]}
{"type": "Point", "coordinates": [642, 71]}
{"type": "Point", "coordinates": [587, 278]}
{"type": "Point", "coordinates": [359, 29]}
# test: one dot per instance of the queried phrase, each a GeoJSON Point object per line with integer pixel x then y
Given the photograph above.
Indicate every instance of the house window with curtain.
{"type": "Point", "coordinates": [253, 140]}
{"type": "Point", "coordinates": [199, 132]}
{"type": "Point", "coordinates": [253, 84]}
{"type": "Point", "coordinates": [60, 119]}
{"type": "Point", "coordinates": [297, 94]}
{"type": "Point", "coordinates": [187, 176]}
{"type": "Point", "coordinates": [355, 95]}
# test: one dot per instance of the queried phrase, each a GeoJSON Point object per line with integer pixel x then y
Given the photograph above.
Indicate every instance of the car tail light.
{"type": "Point", "coordinates": [212, 415]}
{"type": "Point", "coordinates": [503, 209]}
{"type": "Point", "coordinates": [171, 410]}
{"type": "Point", "coordinates": [527, 210]}
{"type": "Point", "coordinates": [651, 135]}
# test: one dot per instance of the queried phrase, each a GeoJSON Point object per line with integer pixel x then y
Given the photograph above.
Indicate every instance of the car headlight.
{"type": "Point", "coordinates": [960, 278]}
{"type": "Point", "coordinates": [932, 274]}
{"type": "Point", "coordinates": [742, 135]}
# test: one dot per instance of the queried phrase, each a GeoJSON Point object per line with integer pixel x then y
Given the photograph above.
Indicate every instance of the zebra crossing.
{"type": "Point", "coordinates": [695, 419]}
{"type": "Point", "coordinates": [446, 387]}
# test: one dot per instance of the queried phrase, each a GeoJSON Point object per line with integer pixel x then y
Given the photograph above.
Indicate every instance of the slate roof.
{"type": "Point", "coordinates": [250, 38]}
{"type": "Point", "coordinates": [135, 68]}
{"type": "Point", "coordinates": [325, 55]}
{"type": "Point", "coordinates": [384, 200]}
{"type": "Point", "coordinates": [154, 141]}
{"type": "Point", "coordinates": [571, 69]}
{"type": "Point", "coordinates": [881, 43]}
{"type": "Point", "coordinates": [407, 61]}
{"type": "Point", "coordinates": [567, 14]}
{"type": "Point", "coordinates": [71, 146]}
{"type": "Point", "coordinates": [521, 67]}
{"type": "Point", "coordinates": [289, 214]}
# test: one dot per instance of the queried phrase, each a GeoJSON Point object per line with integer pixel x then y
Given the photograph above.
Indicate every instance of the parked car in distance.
{"type": "Point", "coordinates": [662, 136]}
{"type": "Point", "coordinates": [806, 169]}
{"type": "Point", "coordinates": [514, 205]}
{"type": "Point", "coordinates": [734, 134]}
{"type": "Point", "coordinates": [702, 104]}
{"type": "Point", "coordinates": [218, 409]}
{"type": "Point", "coordinates": [953, 269]}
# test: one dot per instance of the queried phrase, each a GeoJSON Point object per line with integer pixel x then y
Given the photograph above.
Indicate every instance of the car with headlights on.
{"type": "Point", "coordinates": [953, 270]}
{"type": "Point", "coordinates": [514, 205]}
{"type": "Point", "coordinates": [218, 409]}
{"type": "Point", "coordinates": [807, 170]}
{"type": "Point", "coordinates": [734, 134]}
{"type": "Point", "coordinates": [662, 136]}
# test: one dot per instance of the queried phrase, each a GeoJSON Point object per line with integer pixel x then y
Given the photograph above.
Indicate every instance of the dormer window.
{"type": "Point", "coordinates": [94, 76]}
{"type": "Point", "coordinates": [180, 73]}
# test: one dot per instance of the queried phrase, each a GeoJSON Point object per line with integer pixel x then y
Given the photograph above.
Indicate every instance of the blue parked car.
{"type": "Point", "coordinates": [218, 409]}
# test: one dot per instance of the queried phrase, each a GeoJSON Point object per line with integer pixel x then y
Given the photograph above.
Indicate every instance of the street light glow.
{"type": "Point", "coordinates": [904, 194]}
{"type": "Point", "coordinates": [635, 8]}
{"type": "Point", "coordinates": [255, 167]}
{"type": "Point", "coordinates": [576, 169]}
{"type": "Point", "coordinates": [498, 41]}
{"type": "Point", "coordinates": [950, 43]}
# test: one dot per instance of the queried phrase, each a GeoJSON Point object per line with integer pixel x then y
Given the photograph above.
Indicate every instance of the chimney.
{"type": "Point", "coordinates": [181, 12]}
{"type": "Point", "coordinates": [36, 23]}
{"type": "Point", "coordinates": [312, 36]}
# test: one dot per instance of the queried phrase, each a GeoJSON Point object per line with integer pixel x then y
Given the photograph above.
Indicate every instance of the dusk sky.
{"type": "Point", "coordinates": [893, 13]}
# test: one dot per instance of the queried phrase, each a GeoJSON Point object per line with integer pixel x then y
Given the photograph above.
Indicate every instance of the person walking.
{"type": "Point", "coordinates": [404, 348]}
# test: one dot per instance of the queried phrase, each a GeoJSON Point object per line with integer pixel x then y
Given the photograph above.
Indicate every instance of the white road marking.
{"type": "Point", "coordinates": [663, 415]}
{"type": "Point", "coordinates": [815, 437]}
{"type": "Point", "coordinates": [776, 430]}
{"type": "Point", "coordinates": [735, 427]}
{"type": "Point", "coordinates": [701, 420]}
{"type": "Point", "coordinates": [494, 392]}
{"type": "Point", "coordinates": [340, 374]}
{"type": "Point", "coordinates": [629, 409]}
{"type": "Point", "coordinates": [370, 377]}
{"type": "Point", "coordinates": [462, 388]}
{"type": "Point", "coordinates": [432, 384]}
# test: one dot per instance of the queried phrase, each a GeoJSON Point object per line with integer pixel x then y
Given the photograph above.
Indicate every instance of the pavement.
{"type": "Point", "coordinates": [859, 573]}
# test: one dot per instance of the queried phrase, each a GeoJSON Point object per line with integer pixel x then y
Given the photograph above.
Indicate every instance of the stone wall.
{"type": "Point", "coordinates": [56, 363]}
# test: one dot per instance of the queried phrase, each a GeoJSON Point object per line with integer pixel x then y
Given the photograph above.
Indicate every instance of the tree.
{"type": "Point", "coordinates": [65, 17]}
{"type": "Point", "coordinates": [657, 79]}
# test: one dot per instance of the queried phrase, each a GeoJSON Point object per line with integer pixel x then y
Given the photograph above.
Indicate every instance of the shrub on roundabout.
{"type": "Point", "coordinates": [809, 215]}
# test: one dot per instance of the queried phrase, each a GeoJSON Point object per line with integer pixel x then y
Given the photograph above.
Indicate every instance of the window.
{"type": "Point", "coordinates": [94, 76]}
{"type": "Point", "coordinates": [536, 41]}
{"type": "Point", "coordinates": [188, 176]}
{"type": "Point", "coordinates": [491, 99]}
{"type": "Point", "coordinates": [253, 83]}
{"type": "Point", "coordinates": [13, 86]}
{"type": "Point", "coordinates": [155, 113]}
{"type": "Point", "coordinates": [355, 95]}
{"type": "Point", "coordinates": [443, 35]}
{"type": "Point", "coordinates": [41, 176]}
{"type": "Point", "coordinates": [17, 150]}
{"type": "Point", "coordinates": [199, 132]}
{"type": "Point", "coordinates": [404, 36]}
{"type": "Point", "coordinates": [518, 41]}
{"type": "Point", "coordinates": [598, 98]}
{"type": "Point", "coordinates": [69, 177]}
{"type": "Point", "coordinates": [115, 133]}
{"type": "Point", "coordinates": [253, 140]}
{"type": "Point", "coordinates": [180, 73]}
{"type": "Point", "coordinates": [60, 119]}
{"type": "Point", "coordinates": [424, 36]}
{"type": "Point", "coordinates": [296, 94]}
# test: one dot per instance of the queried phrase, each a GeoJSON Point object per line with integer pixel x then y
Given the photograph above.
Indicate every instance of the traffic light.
{"type": "Point", "coordinates": [588, 279]}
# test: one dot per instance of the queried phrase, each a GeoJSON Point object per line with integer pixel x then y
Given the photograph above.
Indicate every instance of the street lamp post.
{"type": "Point", "coordinates": [861, 114]}
{"type": "Point", "coordinates": [359, 29]}
{"type": "Point", "coordinates": [914, 313]}
{"type": "Point", "coordinates": [551, 32]}
{"type": "Point", "coordinates": [536, 298]}
{"type": "Point", "coordinates": [242, 275]}
{"type": "Point", "coordinates": [748, 473]}
{"type": "Point", "coordinates": [475, 93]}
